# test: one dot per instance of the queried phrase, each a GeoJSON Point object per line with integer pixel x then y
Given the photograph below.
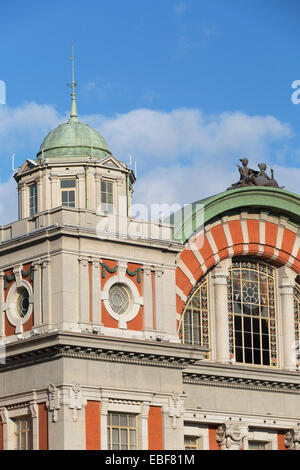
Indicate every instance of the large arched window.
{"type": "Point", "coordinates": [252, 313]}
{"type": "Point", "coordinates": [194, 324]}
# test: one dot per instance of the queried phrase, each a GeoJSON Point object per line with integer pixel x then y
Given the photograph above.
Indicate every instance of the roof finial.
{"type": "Point", "coordinates": [73, 85]}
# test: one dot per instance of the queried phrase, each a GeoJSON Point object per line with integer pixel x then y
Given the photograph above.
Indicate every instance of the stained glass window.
{"type": "Point", "coordinates": [252, 313]}
{"type": "Point", "coordinates": [194, 324]}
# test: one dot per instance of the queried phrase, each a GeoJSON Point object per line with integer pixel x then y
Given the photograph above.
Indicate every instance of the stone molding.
{"type": "Point", "coordinates": [230, 436]}
{"type": "Point", "coordinates": [245, 383]}
{"type": "Point", "coordinates": [292, 439]}
{"type": "Point", "coordinates": [70, 396]}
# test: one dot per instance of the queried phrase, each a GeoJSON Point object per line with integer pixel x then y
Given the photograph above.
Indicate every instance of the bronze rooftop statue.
{"type": "Point", "coordinates": [249, 177]}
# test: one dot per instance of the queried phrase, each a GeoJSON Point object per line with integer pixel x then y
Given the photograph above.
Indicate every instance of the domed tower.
{"type": "Point", "coordinates": [74, 168]}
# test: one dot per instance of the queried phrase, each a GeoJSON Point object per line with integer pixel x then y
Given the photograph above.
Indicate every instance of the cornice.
{"type": "Point", "coordinates": [49, 347]}
{"type": "Point", "coordinates": [241, 382]}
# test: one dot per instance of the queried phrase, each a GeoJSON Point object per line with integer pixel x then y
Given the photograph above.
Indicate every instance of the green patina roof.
{"type": "Point", "coordinates": [73, 139]}
{"type": "Point", "coordinates": [273, 200]}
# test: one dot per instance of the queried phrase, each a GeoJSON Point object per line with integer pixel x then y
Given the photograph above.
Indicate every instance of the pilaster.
{"type": "Point", "coordinates": [84, 289]}
{"type": "Point", "coordinates": [220, 277]}
{"type": "Point", "coordinates": [148, 298]}
{"type": "Point", "coordinates": [286, 292]}
{"type": "Point", "coordinates": [46, 292]}
{"type": "Point", "coordinates": [37, 294]}
{"type": "Point", "coordinates": [96, 294]}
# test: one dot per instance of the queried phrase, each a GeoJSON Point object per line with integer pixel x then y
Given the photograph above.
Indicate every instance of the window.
{"type": "Point", "coordinates": [258, 445]}
{"type": "Point", "coordinates": [194, 324]}
{"type": "Point", "coordinates": [22, 433]}
{"type": "Point", "coordinates": [33, 203]}
{"type": "Point", "coordinates": [119, 298]}
{"type": "Point", "coordinates": [190, 443]}
{"type": "Point", "coordinates": [252, 313]}
{"type": "Point", "coordinates": [121, 431]}
{"type": "Point", "coordinates": [68, 192]}
{"type": "Point", "coordinates": [22, 301]}
{"type": "Point", "coordinates": [107, 197]}
{"type": "Point", "coordinates": [297, 318]}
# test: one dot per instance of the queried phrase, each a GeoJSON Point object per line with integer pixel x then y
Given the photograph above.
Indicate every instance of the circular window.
{"type": "Point", "coordinates": [19, 304]}
{"type": "Point", "coordinates": [119, 298]}
{"type": "Point", "coordinates": [22, 301]}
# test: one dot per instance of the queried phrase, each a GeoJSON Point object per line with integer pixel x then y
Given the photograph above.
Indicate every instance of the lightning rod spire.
{"type": "Point", "coordinates": [73, 85]}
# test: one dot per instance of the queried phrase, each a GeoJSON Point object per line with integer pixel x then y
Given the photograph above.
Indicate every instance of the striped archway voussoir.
{"type": "Point", "coordinates": [262, 235]}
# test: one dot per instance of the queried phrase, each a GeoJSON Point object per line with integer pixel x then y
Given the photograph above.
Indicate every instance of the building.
{"type": "Point", "coordinates": [126, 334]}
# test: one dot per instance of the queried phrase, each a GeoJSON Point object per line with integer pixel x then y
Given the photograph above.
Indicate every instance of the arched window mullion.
{"type": "Point", "coordinates": [194, 324]}
{"type": "Point", "coordinates": [297, 319]}
{"type": "Point", "coordinates": [252, 313]}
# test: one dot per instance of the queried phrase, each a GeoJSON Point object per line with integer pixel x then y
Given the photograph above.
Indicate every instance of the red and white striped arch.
{"type": "Point", "coordinates": [263, 235]}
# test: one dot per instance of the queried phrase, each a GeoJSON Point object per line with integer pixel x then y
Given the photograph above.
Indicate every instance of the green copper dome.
{"type": "Point", "coordinates": [73, 139]}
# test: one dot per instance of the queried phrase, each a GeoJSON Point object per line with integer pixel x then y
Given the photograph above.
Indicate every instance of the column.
{"type": "Point", "coordinates": [2, 325]}
{"type": "Point", "coordinates": [46, 292]}
{"type": "Point", "coordinates": [37, 294]}
{"type": "Point", "coordinates": [148, 298]}
{"type": "Point", "coordinates": [24, 202]}
{"type": "Point", "coordinates": [40, 199]}
{"type": "Point", "coordinates": [286, 292]}
{"type": "Point", "coordinates": [158, 301]}
{"type": "Point", "coordinates": [144, 425]}
{"type": "Point", "coordinates": [103, 422]}
{"type": "Point", "coordinates": [220, 276]}
{"type": "Point", "coordinates": [55, 192]}
{"type": "Point", "coordinates": [98, 194]}
{"type": "Point", "coordinates": [96, 294]}
{"type": "Point", "coordinates": [35, 426]}
{"type": "Point", "coordinates": [84, 291]}
{"type": "Point", "coordinates": [80, 203]}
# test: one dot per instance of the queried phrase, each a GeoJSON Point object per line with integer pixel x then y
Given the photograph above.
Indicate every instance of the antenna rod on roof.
{"type": "Point", "coordinates": [13, 162]}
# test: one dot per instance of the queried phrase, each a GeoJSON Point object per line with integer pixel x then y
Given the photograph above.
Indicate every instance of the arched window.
{"type": "Point", "coordinates": [252, 313]}
{"type": "Point", "coordinates": [297, 314]}
{"type": "Point", "coordinates": [194, 324]}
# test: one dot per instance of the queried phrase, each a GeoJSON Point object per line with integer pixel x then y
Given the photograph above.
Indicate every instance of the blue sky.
{"type": "Point", "coordinates": [186, 86]}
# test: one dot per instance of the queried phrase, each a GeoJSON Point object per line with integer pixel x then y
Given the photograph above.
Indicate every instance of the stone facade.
{"type": "Point", "coordinates": [75, 351]}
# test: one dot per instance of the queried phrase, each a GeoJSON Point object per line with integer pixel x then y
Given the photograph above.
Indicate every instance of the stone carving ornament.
{"type": "Point", "coordinates": [249, 177]}
{"type": "Point", "coordinates": [292, 439]}
{"type": "Point", "coordinates": [231, 436]}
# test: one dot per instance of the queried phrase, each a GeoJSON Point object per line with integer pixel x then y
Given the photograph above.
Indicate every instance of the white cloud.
{"type": "Point", "coordinates": [22, 129]}
{"type": "Point", "coordinates": [8, 202]}
{"type": "Point", "coordinates": [189, 133]}
{"type": "Point", "coordinates": [182, 155]}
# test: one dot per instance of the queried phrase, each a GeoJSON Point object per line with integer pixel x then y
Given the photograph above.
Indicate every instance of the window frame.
{"type": "Point", "coordinates": [110, 427]}
{"type": "Point", "coordinates": [102, 203]}
{"type": "Point", "coordinates": [272, 319]}
{"type": "Point", "coordinates": [28, 432]}
{"type": "Point", "coordinates": [203, 312]}
{"type": "Point", "coordinates": [33, 200]}
{"type": "Point", "coordinates": [68, 190]}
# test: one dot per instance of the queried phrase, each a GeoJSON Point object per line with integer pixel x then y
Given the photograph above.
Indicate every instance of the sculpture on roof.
{"type": "Point", "coordinates": [249, 177]}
